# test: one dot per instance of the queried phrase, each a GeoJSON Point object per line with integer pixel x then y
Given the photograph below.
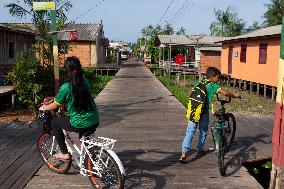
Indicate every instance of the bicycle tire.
{"type": "Point", "coordinates": [230, 127]}
{"type": "Point", "coordinates": [221, 155]}
{"type": "Point", "coordinates": [111, 175]}
{"type": "Point", "coordinates": [44, 146]}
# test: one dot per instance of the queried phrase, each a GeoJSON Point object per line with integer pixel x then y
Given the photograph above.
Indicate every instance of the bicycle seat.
{"type": "Point", "coordinates": [87, 133]}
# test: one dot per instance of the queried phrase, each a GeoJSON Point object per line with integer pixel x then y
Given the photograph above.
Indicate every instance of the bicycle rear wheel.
{"type": "Point", "coordinates": [221, 155]}
{"type": "Point", "coordinates": [48, 146]}
{"type": "Point", "coordinates": [111, 177]}
{"type": "Point", "coordinates": [230, 127]}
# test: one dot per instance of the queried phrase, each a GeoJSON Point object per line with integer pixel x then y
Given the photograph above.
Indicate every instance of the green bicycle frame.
{"type": "Point", "coordinates": [218, 127]}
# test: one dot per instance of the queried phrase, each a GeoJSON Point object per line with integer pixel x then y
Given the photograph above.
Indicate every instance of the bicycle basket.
{"type": "Point", "coordinates": [45, 118]}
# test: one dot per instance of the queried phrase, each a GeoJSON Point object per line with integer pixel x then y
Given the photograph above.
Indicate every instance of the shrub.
{"type": "Point", "coordinates": [111, 59]}
{"type": "Point", "coordinates": [31, 80]}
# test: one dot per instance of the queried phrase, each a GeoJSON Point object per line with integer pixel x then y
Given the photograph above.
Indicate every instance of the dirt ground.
{"type": "Point", "coordinates": [16, 115]}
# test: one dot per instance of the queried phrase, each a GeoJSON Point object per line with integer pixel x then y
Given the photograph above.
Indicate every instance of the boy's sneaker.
{"type": "Point", "coordinates": [201, 152]}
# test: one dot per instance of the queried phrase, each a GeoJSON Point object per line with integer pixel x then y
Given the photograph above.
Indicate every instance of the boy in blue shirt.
{"type": "Point", "coordinates": [213, 75]}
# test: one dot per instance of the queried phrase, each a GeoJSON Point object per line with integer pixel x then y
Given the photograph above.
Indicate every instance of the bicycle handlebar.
{"type": "Point", "coordinates": [223, 101]}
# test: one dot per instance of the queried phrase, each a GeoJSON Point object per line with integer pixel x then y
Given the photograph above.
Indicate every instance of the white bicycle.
{"type": "Point", "coordinates": [95, 157]}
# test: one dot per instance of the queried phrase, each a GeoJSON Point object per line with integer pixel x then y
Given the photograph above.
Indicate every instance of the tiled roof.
{"type": "Point", "coordinates": [268, 31]}
{"type": "Point", "coordinates": [86, 32]}
{"type": "Point", "coordinates": [190, 40]}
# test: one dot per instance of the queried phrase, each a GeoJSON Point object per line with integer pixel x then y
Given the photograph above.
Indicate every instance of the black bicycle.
{"type": "Point", "coordinates": [223, 132]}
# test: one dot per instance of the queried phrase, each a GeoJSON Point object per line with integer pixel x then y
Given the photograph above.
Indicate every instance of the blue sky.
{"type": "Point", "coordinates": [124, 19]}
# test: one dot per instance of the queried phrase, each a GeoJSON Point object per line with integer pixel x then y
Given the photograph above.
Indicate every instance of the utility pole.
{"type": "Point", "coordinates": [277, 173]}
{"type": "Point", "coordinates": [50, 6]}
{"type": "Point", "coordinates": [55, 51]}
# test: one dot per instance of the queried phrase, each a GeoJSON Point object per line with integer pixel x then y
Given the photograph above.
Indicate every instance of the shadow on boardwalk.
{"type": "Point", "coordinates": [149, 124]}
{"type": "Point", "coordinates": [244, 150]}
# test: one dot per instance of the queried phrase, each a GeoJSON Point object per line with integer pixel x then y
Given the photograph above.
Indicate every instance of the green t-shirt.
{"type": "Point", "coordinates": [77, 119]}
{"type": "Point", "coordinates": [211, 88]}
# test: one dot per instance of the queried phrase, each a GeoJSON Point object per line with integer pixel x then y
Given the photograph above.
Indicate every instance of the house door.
{"type": "Point", "coordinates": [230, 56]}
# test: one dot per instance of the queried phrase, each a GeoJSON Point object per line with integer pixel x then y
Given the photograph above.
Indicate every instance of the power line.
{"type": "Point", "coordinates": [86, 12]}
{"type": "Point", "coordinates": [166, 11]}
{"type": "Point", "coordinates": [181, 11]}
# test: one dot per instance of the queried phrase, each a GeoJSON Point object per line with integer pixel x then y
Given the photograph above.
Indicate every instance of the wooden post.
{"type": "Point", "coordinates": [264, 90]}
{"type": "Point", "coordinates": [235, 82]}
{"type": "Point", "coordinates": [178, 74]}
{"type": "Point", "coordinates": [277, 176]}
{"type": "Point", "coordinates": [257, 89]}
{"type": "Point", "coordinates": [13, 100]}
{"type": "Point", "coordinates": [240, 83]}
{"type": "Point", "coordinates": [245, 85]}
{"type": "Point", "coordinates": [250, 87]}
{"type": "Point", "coordinates": [229, 82]}
{"type": "Point", "coordinates": [273, 93]}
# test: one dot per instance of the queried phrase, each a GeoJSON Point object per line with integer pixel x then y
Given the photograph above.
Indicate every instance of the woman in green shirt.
{"type": "Point", "coordinates": [82, 111]}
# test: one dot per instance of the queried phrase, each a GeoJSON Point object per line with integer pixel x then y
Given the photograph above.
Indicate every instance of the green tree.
{"type": "Point", "coordinates": [168, 30]}
{"type": "Point", "coordinates": [254, 26]}
{"type": "Point", "coordinates": [41, 21]}
{"type": "Point", "coordinates": [181, 31]}
{"type": "Point", "coordinates": [227, 23]}
{"type": "Point", "coordinates": [273, 15]}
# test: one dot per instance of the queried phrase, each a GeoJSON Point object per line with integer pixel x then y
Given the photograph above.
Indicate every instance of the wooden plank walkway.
{"type": "Point", "coordinates": [149, 124]}
{"type": "Point", "coordinates": [19, 158]}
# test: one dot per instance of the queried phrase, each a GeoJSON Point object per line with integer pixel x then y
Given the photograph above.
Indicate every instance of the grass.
{"type": "Point", "coordinates": [249, 104]}
{"type": "Point", "coordinates": [98, 83]}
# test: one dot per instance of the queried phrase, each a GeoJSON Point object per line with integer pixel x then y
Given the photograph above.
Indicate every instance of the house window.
{"type": "Point", "coordinates": [262, 53]}
{"type": "Point", "coordinates": [11, 49]}
{"type": "Point", "coordinates": [243, 56]}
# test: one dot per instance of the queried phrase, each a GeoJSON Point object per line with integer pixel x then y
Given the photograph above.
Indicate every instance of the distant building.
{"type": "Point", "coordinates": [200, 49]}
{"type": "Point", "coordinates": [90, 47]}
{"type": "Point", "coordinates": [13, 40]}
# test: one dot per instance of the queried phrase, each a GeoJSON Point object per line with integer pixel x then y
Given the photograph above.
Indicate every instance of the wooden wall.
{"type": "Point", "coordinates": [21, 42]}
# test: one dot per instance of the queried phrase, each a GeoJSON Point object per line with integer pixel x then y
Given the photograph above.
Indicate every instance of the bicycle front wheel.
{"type": "Point", "coordinates": [230, 127]}
{"type": "Point", "coordinates": [104, 170]}
{"type": "Point", "coordinates": [221, 155]}
{"type": "Point", "coordinates": [48, 146]}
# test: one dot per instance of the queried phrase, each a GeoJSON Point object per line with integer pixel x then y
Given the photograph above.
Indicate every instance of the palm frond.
{"type": "Point", "coordinates": [16, 10]}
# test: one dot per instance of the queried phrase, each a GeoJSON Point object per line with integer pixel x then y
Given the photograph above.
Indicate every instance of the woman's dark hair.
{"type": "Point", "coordinates": [211, 72]}
{"type": "Point", "coordinates": [83, 100]}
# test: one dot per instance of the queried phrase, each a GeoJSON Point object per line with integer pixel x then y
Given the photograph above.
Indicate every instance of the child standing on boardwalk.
{"type": "Point", "coordinates": [212, 77]}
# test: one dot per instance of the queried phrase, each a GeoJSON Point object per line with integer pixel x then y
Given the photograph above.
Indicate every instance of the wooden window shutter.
{"type": "Point", "coordinates": [262, 53]}
{"type": "Point", "coordinates": [243, 57]}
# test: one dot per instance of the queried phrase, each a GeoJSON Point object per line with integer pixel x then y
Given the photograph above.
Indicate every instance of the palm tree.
{"type": "Point", "coordinates": [181, 31]}
{"type": "Point", "coordinates": [273, 15]}
{"type": "Point", "coordinates": [41, 21]}
{"type": "Point", "coordinates": [227, 23]}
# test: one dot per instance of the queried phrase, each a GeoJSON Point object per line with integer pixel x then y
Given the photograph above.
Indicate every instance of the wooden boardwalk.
{"type": "Point", "coordinates": [19, 158]}
{"type": "Point", "coordinates": [149, 123]}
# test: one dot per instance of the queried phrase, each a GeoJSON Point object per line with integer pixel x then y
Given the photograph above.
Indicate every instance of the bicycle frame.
{"type": "Point", "coordinates": [79, 153]}
{"type": "Point", "coordinates": [218, 127]}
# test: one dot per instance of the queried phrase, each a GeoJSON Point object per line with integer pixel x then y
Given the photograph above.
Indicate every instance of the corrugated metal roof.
{"type": "Point", "coordinates": [190, 40]}
{"type": "Point", "coordinates": [268, 31]}
{"type": "Point", "coordinates": [86, 32]}
{"type": "Point", "coordinates": [18, 27]}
